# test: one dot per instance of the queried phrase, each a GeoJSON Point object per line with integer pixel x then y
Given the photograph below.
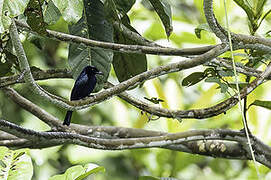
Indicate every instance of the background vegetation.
{"type": "Point", "coordinates": [190, 29]}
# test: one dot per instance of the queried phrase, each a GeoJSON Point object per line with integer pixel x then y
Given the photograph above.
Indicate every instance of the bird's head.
{"type": "Point", "coordinates": [91, 70]}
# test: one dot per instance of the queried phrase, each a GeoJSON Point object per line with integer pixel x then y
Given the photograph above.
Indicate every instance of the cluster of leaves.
{"type": "Point", "coordinates": [91, 19]}
{"type": "Point", "coordinates": [213, 75]}
{"type": "Point", "coordinates": [18, 165]}
{"type": "Point", "coordinates": [94, 19]}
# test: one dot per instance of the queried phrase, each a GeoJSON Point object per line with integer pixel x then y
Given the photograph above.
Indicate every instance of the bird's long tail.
{"type": "Point", "coordinates": [67, 119]}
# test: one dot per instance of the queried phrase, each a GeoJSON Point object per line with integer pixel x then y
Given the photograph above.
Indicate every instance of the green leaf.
{"type": "Point", "coordinates": [79, 54]}
{"type": "Point", "coordinates": [71, 173]}
{"type": "Point", "coordinates": [223, 87]}
{"type": "Point", "coordinates": [264, 104]}
{"type": "Point", "coordinates": [6, 62]}
{"type": "Point", "coordinates": [10, 9]}
{"type": "Point", "coordinates": [112, 13]}
{"type": "Point", "coordinates": [94, 26]}
{"type": "Point", "coordinates": [154, 100]}
{"type": "Point", "coordinates": [163, 9]}
{"type": "Point", "coordinates": [117, 8]}
{"type": "Point", "coordinates": [95, 170]}
{"type": "Point", "coordinates": [15, 164]}
{"type": "Point", "coordinates": [77, 172]}
{"type": "Point", "coordinates": [246, 7]}
{"type": "Point", "coordinates": [193, 78]}
{"type": "Point", "coordinates": [252, 16]}
{"type": "Point", "coordinates": [34, 15]}
{"type": "Point", "coordinates": [259, 8]}
{"type": "Point", "coordinates": [127, 65]}
{"type": "Point", "coordinates": [51, 13]}
{"type": "Point", "coordinates": [71, 10]}
{"type": "Point", "coordinates": [200, 28]}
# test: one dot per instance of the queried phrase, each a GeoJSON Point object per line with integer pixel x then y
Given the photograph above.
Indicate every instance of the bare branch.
{"type": "Point", "coordinates": [122, 47]}
{"type": "Point", "coordinates": [218, 143]}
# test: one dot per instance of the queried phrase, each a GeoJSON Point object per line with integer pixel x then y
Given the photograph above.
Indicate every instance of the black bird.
{"type": "Point", "coordinates": [83, 86]}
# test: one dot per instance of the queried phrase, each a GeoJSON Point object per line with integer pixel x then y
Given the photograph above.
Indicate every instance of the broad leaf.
{"type": "Point", "coordinates": [6, 62]}
{"type": "Point", "coordinates": [193, 78]}
{"type": "Point", "coordinates": [34, 16]}
{"type": "Point", "coordinates": [259, 8]}
{"type": "Point", "coordinates": [253, 24]}
{"type": "Point", "coordinates": [79, 172]}
{"type": "Point", "coordinates": [15, 164]}
{"type": "Point", "coordinates": [51, 13]}
{"type": "Point", "coordinates": [93, 171]}
{"type": "Point", "coordinates": [115, 9]}
{"type": "Point", "coordinates": [127, 65]}
{"type": "Point", "coordinates": [94, 26]}
{"type": "Point", "coordinates": [246, 7]}
{"type": "Point", "coordinates": [223, 86]}
{"type": "Point", "coordinates": [124, 5]}
{"type": "Point", "coordinates": [163, 9]}
{"type": "Point", "coordinates": [71, 173]}
{"type": "Point", "coordinates": [79, 54]}
{"type": "Point", "coordinates": [10, 9]}
{"type": "Point", "coordinates": [264, 104]}
{"type": "Point", "coordinates": [71, 10]}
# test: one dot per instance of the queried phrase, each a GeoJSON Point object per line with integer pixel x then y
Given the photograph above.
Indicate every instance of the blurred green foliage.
{"type": "Point", "coordinates": [187, 15]}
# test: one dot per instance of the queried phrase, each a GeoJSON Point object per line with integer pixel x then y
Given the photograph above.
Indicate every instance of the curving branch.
{"type": "Point", "coordinates": [37, 75]}
{"type": "Point", "coordinates": [76, 105]}
{"type": "Point", "coordinates": [156, 50]}
{"type": "Point", "coordinates": [155, 110]}
{"type": "Point", "coordinates": [217, 143]}
{"type": "Point", "coordinates": [212, 22]}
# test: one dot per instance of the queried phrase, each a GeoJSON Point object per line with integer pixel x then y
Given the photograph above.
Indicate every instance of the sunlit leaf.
{"type": "Point", "coordinates": [10, 9]}
{"type": "Point", "coordinates": [264, 104]}
{"type": "Point", "coordinates": [15, 164]}
{"type": "Point", "coordinates": [71, 10]}
{"type": "Point", "coordinates": [51, 13]}
{"type": "Point", "coordinates": [163, 9]}
{"type": "Point", "coordinates": [93, 171]}
{"type": "Point", "coordinates": [70, 174]}
{"type": "Point", "coordinates": [259, 8]}
{"type": "Point", "coordinates": [193, 78]}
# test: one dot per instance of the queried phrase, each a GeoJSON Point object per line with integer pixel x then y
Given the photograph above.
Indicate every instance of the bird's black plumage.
{"type": "Point", "coordinates": [83, 86]}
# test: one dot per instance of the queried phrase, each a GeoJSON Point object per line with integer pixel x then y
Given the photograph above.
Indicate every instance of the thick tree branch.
{"type": "Point", "coordinates": [212, 22]}
{"type": "Point", "coordinates": [34, 109]}
{"type": "Point", "coordinates": [25, 69]}
{"type": "Point", "coordinates": [122, 47]}
{"type": "Point", "coordinates": [37, 75]}
{"type": "Point", "coordinates": [220, 142]}
{"type": "Point", "coordinates": [196, 113]}
{"type": "Point", "coordinates": [76, 105]}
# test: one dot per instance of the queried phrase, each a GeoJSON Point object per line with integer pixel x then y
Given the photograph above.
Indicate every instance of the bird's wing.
{"type": "Point", "coordinates": [79, 87]}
